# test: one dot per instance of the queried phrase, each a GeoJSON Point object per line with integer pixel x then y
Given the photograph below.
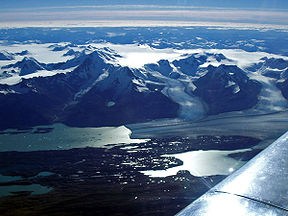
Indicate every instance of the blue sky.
{"type": "Point", "coordinates": [241, 11]}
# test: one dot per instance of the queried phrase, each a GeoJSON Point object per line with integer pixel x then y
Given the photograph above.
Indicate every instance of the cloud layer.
{"type": "Point", "coordinates": [142, 12]}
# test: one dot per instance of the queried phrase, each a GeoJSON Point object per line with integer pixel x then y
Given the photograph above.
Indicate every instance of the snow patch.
{"type": "Point", "coordinates": [230, 83]}
{"type": "Point", "coordinates": [41, 73]}
{"type": "Point", "coordinates": [136, 56]}
{"type": "Point", "coordinates": [41, 52]}
{"type": "Point", "coordinates": [113, 34]}
{"type": "Point", "coordinates": [7, 92]}
{"type": "Point", "coordinates": [236, 89]}
{"type": "Point", "coordinates": [11, 80]}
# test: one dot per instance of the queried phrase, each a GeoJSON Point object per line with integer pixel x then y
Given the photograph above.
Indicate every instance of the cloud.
{"type": "Point", "coordinates": [144, 12]}
{"type": "Point", "coordinates": [144, 23]}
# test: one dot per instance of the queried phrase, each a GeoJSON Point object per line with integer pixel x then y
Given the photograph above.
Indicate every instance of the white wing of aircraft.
{"type": "Point", "coordinates": [259, 188]}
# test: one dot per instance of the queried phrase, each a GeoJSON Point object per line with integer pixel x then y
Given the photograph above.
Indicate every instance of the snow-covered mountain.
{"type": "Point", "coordinates": [93, 85]}
{"type": "Point", "coordinates": [27, 66]}
{"type": "Point", "coordinates": [227, 88]}
{"type": "Point", "coordinates": [272, 67]}
{"type": "Point", "coordinates": [4, 55]}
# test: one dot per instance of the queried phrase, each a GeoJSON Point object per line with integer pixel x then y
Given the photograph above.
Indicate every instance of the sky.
{"type": "Point", "coordinates": [116, 11]}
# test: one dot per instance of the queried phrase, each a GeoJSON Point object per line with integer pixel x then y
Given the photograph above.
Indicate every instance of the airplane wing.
{"type": "Point", "coordinates": [260, 187]}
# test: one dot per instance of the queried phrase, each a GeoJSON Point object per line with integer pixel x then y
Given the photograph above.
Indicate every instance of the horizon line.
{"type": "Point", "coordinates": [140, 23]}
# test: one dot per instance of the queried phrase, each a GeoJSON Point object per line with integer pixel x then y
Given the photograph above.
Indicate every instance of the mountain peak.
{"type": "Point", "coordinates": [190, 64]}
{"type": "Point", "coordinates": [224, 89]}
{"type": "Point", "coordinates": [4, 55]}
{"type": "Point", "coordinates": [28, 65]}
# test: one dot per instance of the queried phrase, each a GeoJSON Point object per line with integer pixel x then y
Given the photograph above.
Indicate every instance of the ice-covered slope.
{"type": "Point", "coordinates": [93, 84]}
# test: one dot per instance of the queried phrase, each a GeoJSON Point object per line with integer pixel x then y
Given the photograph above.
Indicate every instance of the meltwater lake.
{"type": "Point", "coordinates": [61, 137]}
{"type": "Point", "coordinates": [34, 189]}
{"type": "Point", "coordinates": [202, 163]}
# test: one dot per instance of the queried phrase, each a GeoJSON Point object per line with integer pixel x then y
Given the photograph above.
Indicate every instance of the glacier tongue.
{"type": "Point", "coordinates": [270, 98]}
{"type": "Point", "coordinates": [191, 108]}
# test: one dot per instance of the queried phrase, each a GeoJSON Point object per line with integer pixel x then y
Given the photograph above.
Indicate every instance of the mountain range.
{"type": "Point", "coordinates": [91, 88]}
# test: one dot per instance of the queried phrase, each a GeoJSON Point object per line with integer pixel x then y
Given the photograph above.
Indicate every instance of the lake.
{"type": "Point", "coordinates": [35, 189]}
{"type": "Point", "coordinates": [59, 136]}
{"type": "Point", "coordinates": [202, 163]}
